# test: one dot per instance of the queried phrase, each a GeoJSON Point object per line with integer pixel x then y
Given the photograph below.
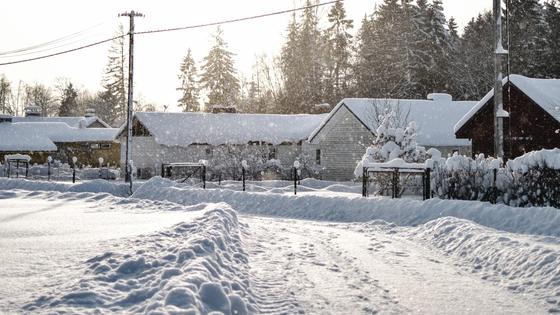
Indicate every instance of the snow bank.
{"type": "Point", "coordinates": [520, 263]}
{"type": "Point", "coordinates": [94, 186]}
{"type": "Point", "coordinates": [540, 221]}
{"type": "Point", "coordinates": [192, 268]}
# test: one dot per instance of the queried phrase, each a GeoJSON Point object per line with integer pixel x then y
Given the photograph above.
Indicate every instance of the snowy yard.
{"type": "Point", "coordinates": [173, 247]}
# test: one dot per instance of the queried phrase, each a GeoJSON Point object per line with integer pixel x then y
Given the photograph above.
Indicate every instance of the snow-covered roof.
{"type": "Point", "coordinates": [183, 129]}
{"type": "Point", "coordinates": [42, 136]}
{"type": "Point", "coordinates": [70, 121]}
{"type": "Point", "coordinates": [434, 118]}
{"type": "Point", "coordinates": [544, 92]}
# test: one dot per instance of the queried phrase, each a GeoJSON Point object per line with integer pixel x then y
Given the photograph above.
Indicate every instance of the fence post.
{"type": "Point", "coordinates": [243, 177]}
{"type": "Point", "coordinates": [428, 182]}
{"type": "Point", "coordinates": [494, 188]}
{"type": "Point", "coordinates": [26, 169]}
{"type": "Point", "coordinates": [295, 181]}
{"type": "Point", "coordinates": [48, 170]}
{"type": "Point", "coordinates": [203, 176]}
{"type": "Point", "coordinates": [395, 182]}
{"type": "Point", "coordinates": [364, 182]}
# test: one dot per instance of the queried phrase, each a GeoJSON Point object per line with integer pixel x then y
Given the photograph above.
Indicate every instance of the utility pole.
{"type": "Point", "coordinates": [499, 112]}
{"type": "Point", "coordinates": [128, 162]}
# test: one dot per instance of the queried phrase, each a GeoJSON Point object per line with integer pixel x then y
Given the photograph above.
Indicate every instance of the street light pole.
{"type": "Point", "coordinates": [499, 112]}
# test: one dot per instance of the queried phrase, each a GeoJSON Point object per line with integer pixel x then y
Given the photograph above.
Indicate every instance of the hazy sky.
{"type": "Point", "coordinates": [25, 23]}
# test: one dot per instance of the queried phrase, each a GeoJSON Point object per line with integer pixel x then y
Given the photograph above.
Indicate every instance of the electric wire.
{"type": "Point", "coordinates": [170, 30]}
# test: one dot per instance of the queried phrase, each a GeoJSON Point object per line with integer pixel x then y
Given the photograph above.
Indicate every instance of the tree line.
{"type": "Point", "coordinates": [402, 49]}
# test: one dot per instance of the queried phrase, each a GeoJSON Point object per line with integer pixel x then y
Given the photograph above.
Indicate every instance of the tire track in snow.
{"type": "Point", "coordinates": [315, 276]}
{"type": "Point", "coordinates": [348, 269]}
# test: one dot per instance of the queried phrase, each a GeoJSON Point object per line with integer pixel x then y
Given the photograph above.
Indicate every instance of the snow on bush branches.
{"type": "Point", "coordinates": [530, 180]}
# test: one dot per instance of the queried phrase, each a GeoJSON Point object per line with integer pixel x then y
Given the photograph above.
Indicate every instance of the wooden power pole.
{"type": "Point", "coordinates": [129, 112]}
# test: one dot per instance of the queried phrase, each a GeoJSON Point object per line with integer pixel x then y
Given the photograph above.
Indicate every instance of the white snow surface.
{"type": "Point", "coordinates": [83, 253]}
{"type": "Point", "coordinates": [41, 136]}
{"type": "Point", "coordinates": [70, 121]}
{"type": "Point", "coordinates": [183, 129]}
{"type": "Point", "coordinates": [536, 159]}
{"type": "Point", "coordinates": [434, 118]}
{"type": "Point", "coordinates": [354, 208]}
{"type": "Point", "coordinates": [544, 92]}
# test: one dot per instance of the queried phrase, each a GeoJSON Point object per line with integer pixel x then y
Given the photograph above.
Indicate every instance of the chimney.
{"type": "Point", "coordinates": [33, 111]}
{"type": "Point", "coordinates": [440, 97]}
{"type": "Point", "coordinates": [90, 112]}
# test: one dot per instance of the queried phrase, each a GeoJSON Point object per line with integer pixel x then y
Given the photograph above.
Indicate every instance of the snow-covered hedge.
{"type": "Point", "coordinates": [530, 180]}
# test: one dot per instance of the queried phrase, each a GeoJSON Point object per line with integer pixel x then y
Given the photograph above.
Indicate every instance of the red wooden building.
{"type": "Point", "coordinates": [533, 123]}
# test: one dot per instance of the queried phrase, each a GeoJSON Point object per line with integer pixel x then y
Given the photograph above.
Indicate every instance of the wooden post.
{"type": "Point", "coordinates": [26, 169]}
{"type": "Point", "coordinates": [364, 182]}
{"type": "Point", "coordinates": [48, 171]}
{"type": "Point", "coordinates": [295, 181]}
{"type": "Point", "coordinates": [17, 169]}
{"type": "Point", "coordinates": [243, 177]}
{"type": "Point", "coordinates": [204, 176]}
{"type": "Point", "coordinates": [428, 183]}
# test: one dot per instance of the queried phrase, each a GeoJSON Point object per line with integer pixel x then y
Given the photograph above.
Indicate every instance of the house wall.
{"type": "Point", "coordinates": [148, 155]}
{"type": "Point", "coordinates": [532, 128]}
{"type": "Point", "coordinates": [342, 141]}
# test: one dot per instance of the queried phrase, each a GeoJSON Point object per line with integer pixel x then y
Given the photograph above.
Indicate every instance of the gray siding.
{"type": "Point", "coordinates": [342, 141]}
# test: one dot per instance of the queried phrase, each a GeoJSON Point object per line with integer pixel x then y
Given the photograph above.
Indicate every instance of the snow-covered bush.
{"type": "Point", "coordinates": [530, 180]}
{"type": "Point", "coordinates": [392, 142]}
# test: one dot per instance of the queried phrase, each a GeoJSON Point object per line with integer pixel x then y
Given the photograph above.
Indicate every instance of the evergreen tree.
{"type": "Point", "coordinates": [338, 52]}
{"type": "Point", "coordinates": [114, 82]}
{"type": "Point", "coordinates": [68, 104]}
{"type": "Point", "coordinates": [476, 69]}
{"type": "Point", "coordinates": [528, 38]}
{"type": "Point", "coordinates": [365, 60]}
{"type": "Point", "coordinates": [291, 71]}
{"type": "Point", "coordinates": [218, 74]}
{"type": "Point", "coordinates": [189, 86]}
{"type": "Point", "coordinates": [552, 18]}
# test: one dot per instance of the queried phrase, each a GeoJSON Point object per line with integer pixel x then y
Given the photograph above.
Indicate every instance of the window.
{"type": "Point", "coordinates": [208, 152]}
{"type": "Point", "coordinates": [94, 145]}
{"type": "Point", "coordinates": [318, 156]}
{"type": "Point", "coordinates": [105, 146]}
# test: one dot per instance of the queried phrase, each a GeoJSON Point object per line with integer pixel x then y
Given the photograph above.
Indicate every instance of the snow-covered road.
{"type": "Point", "coordinates": [86, 252]}
{"type": "Point", "coordinates": [344, 269]}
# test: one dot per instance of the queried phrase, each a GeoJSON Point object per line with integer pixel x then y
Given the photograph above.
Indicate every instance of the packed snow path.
{"type": "Point", "coordinates": [341, 269]}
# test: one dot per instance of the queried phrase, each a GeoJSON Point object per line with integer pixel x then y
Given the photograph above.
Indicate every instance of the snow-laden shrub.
{"type": "Point", "coordinates": [530, 180]}
{"type": "Point", "coordinates": [392, 142]}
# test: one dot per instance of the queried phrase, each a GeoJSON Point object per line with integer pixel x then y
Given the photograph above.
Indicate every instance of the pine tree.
{"type": "Point", "coordinates": [310, 54]}
{"type": "Point", "coordinates": [219, 75]}
{"type": "Point", "coordinates": [528, 38]}
{"type": "Point", "coordinates": [476, 52]}
{"type": "Point", "coordinates": [189, 86]}
{"type": "Point", "coordinates": [291, 72]}
{"type": "Point", "coordinates": [114, 81]}
{"type": "Point", "coordinates": [365, 60]}
{"type": "Point", "coordinates": [338, 52]}
{"type": "Point", "coordinates": [552, 18]}
{"type": "Point", "coordinates": [68, 105]}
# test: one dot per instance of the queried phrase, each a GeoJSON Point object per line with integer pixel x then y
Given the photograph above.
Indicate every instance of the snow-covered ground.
{"type": "Point", "coordinates": [174, 248]}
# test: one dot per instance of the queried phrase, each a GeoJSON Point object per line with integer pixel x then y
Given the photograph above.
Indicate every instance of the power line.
{"type": "Point", "coordinates": [172, 29]}
{"type": "Point", "coordinates": [46, 44]}
{"type": "Point", "coordinates": [239, 19]}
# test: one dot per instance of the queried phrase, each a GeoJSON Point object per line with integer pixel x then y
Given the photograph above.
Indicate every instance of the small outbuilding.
{"type": "Point", "coordinates": [534, 118]}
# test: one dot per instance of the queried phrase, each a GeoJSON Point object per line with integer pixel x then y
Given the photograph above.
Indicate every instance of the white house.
{"type": "Point", "coordinates": [349, 129]}
{"type": "Point", "coordinates": [159, 138]}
